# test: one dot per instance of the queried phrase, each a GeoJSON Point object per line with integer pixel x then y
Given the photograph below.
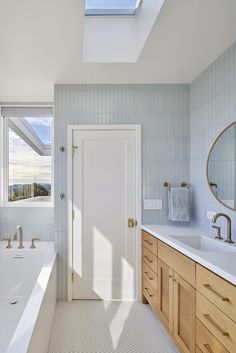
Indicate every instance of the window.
{"type": "Point", "coordinates": [28, 162]}
{"type": "Point", "coordinates": [112, 7]}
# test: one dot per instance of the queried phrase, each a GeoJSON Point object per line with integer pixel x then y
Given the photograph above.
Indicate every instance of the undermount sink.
{"type": "Point", "coordinates": [203, 243]}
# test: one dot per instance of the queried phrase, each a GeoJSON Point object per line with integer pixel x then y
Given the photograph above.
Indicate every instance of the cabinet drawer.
{"type": "Point", "coordinates": [149, 242]}
{"type": "Point", "coordinates": [217, 290]}
{"type": "Point", "coordinates": [150, 259]}
{"type": "Point", "coordinates": [180, 263]}
{"type": "Point", "coordinates": [150, 294]}
{"type": "Point", "coordinates": [149, 276]}
{"type": "Point", "coordinates": [206, 341]}
{"type": "Point", "coordinates": [220, 325]}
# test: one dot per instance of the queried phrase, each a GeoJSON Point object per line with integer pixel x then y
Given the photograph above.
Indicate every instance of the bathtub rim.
{"type": "Point", "coordinates": [21, 338]}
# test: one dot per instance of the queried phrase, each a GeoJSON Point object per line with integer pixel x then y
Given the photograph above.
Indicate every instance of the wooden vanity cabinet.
{"type": "Point", "coordinates": [201, 320]}
{"type": "Point", "coordinates": [176, 295]}
{"type": "Point", "coordinates": [149, 242]}
{"type": "Point", "coordinates": [165, 294]}
{"type": "Point", "coordinates": [198, 350]}
{"type": "Point", "coordinates": [184, 314]}
{"type": "Point", "coordinates": [215, 312]}
{"type": "Point", "coordinates": [169, 293]}
{"type": "Point", "coordinates": [149, 270]}
{"type": "Point", "coordinates": [206, 342]}
{"type": "Point", "coordinates": [180, 263]}
{"type": "Point", "coordinates": [176, 307]}
{"type": "Point", "coordinates": [218, 291]}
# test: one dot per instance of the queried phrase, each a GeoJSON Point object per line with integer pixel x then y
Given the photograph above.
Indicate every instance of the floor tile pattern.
{"type": "Point", "coordinates": [108, 327]}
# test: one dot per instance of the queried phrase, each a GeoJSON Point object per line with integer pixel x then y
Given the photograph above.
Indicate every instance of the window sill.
{"type": "Point", "coordinates": [28, 204]}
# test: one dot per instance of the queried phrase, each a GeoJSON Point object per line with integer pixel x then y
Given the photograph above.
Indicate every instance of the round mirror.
{"type": "Point", "coordinates": [221, 167]}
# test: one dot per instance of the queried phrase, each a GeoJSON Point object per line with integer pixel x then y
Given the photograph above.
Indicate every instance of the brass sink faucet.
{"type": "Point", "coordinates": [20, 237]}
{"type": "Point", "coordinates": [229, 226]}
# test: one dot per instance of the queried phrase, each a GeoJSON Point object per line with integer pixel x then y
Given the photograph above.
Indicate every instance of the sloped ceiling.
{"type": "Point", "coordinates": [41, 43]}
{"type": "Point", "coordinates": [119, 39]}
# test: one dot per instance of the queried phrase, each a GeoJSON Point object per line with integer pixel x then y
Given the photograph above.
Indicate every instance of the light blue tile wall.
{"type": "Point", "coordinates": [213, 107]}
{"type": "Point", "coordinates": [162, 110]}
{"type": "Point", "coordinates": [36, 222]}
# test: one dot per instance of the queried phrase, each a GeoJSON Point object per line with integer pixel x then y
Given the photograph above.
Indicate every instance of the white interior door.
{"type": "Point", "coordinates": [104, 198]}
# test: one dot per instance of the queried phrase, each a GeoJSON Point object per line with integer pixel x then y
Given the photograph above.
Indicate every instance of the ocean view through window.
{"type": "Point", "coordinates": [29, 159]}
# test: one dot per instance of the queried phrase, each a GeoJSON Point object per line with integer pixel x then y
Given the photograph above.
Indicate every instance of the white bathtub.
{"type": "Point", "coordinates": [27, 297]}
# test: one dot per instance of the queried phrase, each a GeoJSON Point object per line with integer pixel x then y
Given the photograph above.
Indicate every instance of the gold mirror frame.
{"type": "Point", "coordinates": [208, 159]}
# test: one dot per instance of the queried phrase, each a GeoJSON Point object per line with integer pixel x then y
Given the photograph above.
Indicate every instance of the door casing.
{"type": "Point", "coordinates": [70, 129]}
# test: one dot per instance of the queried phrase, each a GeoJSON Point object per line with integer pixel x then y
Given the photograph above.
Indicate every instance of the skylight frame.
{"type": "Point", "coordinates": [119, 12]}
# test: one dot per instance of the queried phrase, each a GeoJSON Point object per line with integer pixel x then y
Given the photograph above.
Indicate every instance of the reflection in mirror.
{"type": "Point", "coordinates": [221, 167]}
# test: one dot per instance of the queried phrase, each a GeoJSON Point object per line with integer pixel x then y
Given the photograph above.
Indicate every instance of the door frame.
{"type": "Point", "coordinates": [138, 203]}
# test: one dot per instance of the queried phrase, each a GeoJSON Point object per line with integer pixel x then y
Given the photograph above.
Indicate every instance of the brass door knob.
{"type": "Point", "coordinates": [131, 223]}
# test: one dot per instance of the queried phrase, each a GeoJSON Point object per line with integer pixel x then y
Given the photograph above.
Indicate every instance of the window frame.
{"type": "Point", "coordinates": [4, 162]}
{"type": "Point", "coordinates": [112, 12]}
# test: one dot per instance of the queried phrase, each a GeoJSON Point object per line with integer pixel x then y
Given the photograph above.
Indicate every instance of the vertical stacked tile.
{"type": "Point", "coordinates": [36, 222]}
{"type": "Point", "coordinates": [213, 108]}
{"type": "Point", "coordinates": [163, 112]}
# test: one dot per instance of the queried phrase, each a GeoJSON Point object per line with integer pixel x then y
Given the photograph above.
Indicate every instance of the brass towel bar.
{"type": "Point", "coordinates": [168, 185]}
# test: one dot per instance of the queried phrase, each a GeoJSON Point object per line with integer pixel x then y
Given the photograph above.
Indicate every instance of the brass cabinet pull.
{"type": "Point", "coordinates": [209, 318]}
{"type": "Point", "coordinates": [208, 347]}
{"type": "Point", "coordinates": [208, 286]}
{"type": "Point", "coordinates": [148, 276]}
{"type": "Point", "coordinates": [149, 294]}
{"type": "Point", "coordinates": [148, 242]}
{"type": "Point", "coordinates": [147, 258]}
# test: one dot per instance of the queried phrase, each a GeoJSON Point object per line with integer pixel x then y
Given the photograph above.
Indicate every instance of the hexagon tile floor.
{"type": "Point", "coordinates": [87, 326]}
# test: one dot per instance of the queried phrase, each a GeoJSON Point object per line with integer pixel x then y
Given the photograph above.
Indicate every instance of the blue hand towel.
{"type": "Point", "coordinates": [178, 202]}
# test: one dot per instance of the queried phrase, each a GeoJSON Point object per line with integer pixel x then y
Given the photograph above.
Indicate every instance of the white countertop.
{"type": "Point", "coordinates": [221, 263]}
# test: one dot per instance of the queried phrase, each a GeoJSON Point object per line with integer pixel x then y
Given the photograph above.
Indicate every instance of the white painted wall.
{"type": "Point", "coordinates": [145, 21]}
{"type": "Point", "coordinates": [119, 39]}
{"type": "Point", "coordinates": [109, 39]}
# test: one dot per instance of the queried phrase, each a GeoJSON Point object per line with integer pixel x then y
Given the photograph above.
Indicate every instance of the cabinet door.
{"type": "Point", "coordinates": [184, 314]}
{"type": "Point", "coordinates": [165, 294]}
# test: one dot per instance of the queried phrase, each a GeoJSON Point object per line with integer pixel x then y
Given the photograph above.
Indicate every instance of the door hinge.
{"type": "Point", "coordinates": [72, 276]}
{"type": "Point", "coordinates": [73, 150]}
{"type": "Point", "coordinates": [73, 214]}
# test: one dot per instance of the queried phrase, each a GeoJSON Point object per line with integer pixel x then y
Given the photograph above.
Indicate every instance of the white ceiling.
{"type": "Point", "coordinates": [41, 44]}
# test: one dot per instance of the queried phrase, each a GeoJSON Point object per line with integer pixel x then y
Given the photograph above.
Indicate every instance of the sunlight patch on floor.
{"type": "Point", "coordinates": [95, 326]}
{"type": "Point", "coordinates": [117, 324]}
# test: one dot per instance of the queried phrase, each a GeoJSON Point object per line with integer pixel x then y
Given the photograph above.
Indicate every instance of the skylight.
{"type": "Point", "coordinates": [112, 7]}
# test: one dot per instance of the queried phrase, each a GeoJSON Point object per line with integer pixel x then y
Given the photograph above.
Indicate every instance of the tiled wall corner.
{"type": "Point", "coordinates": [212, 109]}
